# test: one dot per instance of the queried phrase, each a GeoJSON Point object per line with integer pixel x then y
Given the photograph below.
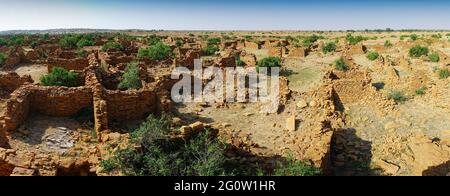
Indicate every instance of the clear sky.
{"type": "Point", "coordinates": [224, 14]}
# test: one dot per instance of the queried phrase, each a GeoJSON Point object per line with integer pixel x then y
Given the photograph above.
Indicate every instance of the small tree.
{"type": "Point", "coordinates": [131, 78]}
{"type": "Point", "coordinates": [213, 41]}
{"type": "Point", "coordinates": [68, 41]}
{"type": "Point", "coordinates": [270, 62]}
{"type": "Point", "coordinates": [372, 55]}
{"type": "Point", "coordinates": [112, 45]}
{"type": "Point", "coordinates": [340, 65]}
{"type": "Point", "coordinates": [3, 58]}
{"type": "Point", "coordinates": [159, 51]}
{"type": "Point", "coordinates": [418, 51]}
{"type": "Point", "coordinates": [434, 57]}
{"type": "Point", "coordinates": [329, 47]}
{"type": "Point", "coordinates": [210, 50]}
{"type": "Point", "coordinates": [3, 42]}
{"type": "Point", "coordinates": [414, 37]}
{"type": "Point", "coordinates": [84, 42]}
{"type": "Point", "coordinates": [60, 77]}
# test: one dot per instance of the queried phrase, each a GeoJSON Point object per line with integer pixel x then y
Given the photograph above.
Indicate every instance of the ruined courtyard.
{"type": "Point", "coordinates": [352, 103]}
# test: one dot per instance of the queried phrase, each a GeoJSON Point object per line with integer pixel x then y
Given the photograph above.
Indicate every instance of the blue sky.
{"type": "Point", "coordinates": [225, 15]}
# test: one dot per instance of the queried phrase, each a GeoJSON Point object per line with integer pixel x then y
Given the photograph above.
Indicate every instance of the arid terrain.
{"type": "Point", "coordinates": [352, 103]}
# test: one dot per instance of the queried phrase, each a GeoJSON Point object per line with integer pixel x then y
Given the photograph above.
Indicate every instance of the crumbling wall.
{"type": "Point", "coordinates": [11, 81]}
{"type": "Point", "coordinates": [17, 109]}
{"type": "Point", "coordinates": [298, 52]}
{"type": "Point", "coordinates": [68, 64]}
{"type": "Point", "coordinates": [60, 101]}
{"type": "Point", "coordinates": [130, 105]}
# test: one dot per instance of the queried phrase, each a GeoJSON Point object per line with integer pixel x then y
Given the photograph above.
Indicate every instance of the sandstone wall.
{"type": "Point", "coordinates": [11, 81]}
{"type": "Point", "coordinates": [60, 101]}
{"type": "Point", "coordinates": [129, 105]}
{"type": "Point", "coordinates": [68, 64]}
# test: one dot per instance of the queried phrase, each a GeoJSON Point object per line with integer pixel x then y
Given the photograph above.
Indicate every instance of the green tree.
{"type": "Point", "coordinates": [60, 77]}
{"type": "Point", "coordinates": [159, 51]}
{"type": "Point", "coordinates": [3, 58]}
{"type": "Point", "coordinates": [130, 79]}
{"type": "Point", "coordinates": [112, 45]}
{"type": "Point", "coordinates": [210, 50]}
{"type": "Point", "coordinates": [329, 47]}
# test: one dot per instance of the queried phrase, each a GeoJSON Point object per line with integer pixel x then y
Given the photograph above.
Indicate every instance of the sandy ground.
{"type": "Point", "coordinates": [36, 71]}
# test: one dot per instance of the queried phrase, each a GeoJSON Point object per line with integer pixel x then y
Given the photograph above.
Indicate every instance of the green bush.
{"type": "Point", "coordinates": [210, 50]}
{"type": "Point", "coordinates": [3, 42]}
{"type": "Point", "coordinates": [84, 42]}
{"type": "Point", "coordinates": [421, 91]}
{"type": "Point", "coordinates": [34, 44]}
{"type": "Point", "coordinates": [355, 40]}
{"type": "Point", "coordinates": [68, 41]}
{"type": "Point", "coordinates": [269, 62]}
{"type": "Point", "coordinates": [213, 41]}
{"type": "Point", "coordinates": [3, 58]}
{"type": "Point", "coordinates": [179, 43]}
{"type": "Point", "coordinates": [17, 40]}
{"type": "Point", "coordinates": [436, 36]}
{"type": "Point", "coordinates": [131, 78]}
{"type": "Point", "coordinates": [444, 73]}
{"type": "Point", "coordinates": [397, 96]}
{"type": "Point", "coordinates": [81, 53]}
{"type": "Point", "coordinates": [60, 77]}
{"type": "Point", "coordinates": [340, 65]}
{"type": "Point", "coordinates": [434, 57]}
{"type": "Point", "coordinates": [414, 37]}
{"type": "Point", "coordinates": [294, 167]}
{"type": "Point", "coordinates": [158, 155]}
{"type": "Point", "coordinates": [329, 47]}
{"type": "Point", "coordinates": [310, 40]}
{"type": "Point", "coordinates": [418, 51]}
{"type": "Point", "coordinates": [153, 40]}
{"type": "Point", "coordinates": [387, 44]}
{"type": "Point", "coordinates": [372, 55]}
{"type": "Point", "coordinates": [191, 35]}
{"type": "Point", "coordinates": [112, 45]}
{"type": "Point", "coordinates": [159, 51]}
{"type": "Point", "coordinates": [248, 37]}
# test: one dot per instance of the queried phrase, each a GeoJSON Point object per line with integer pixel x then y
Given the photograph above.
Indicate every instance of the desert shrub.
{"type": "Point", "coordinates": [355, 40]}
{"type": "Point", "coordinates": [418, 51]}
{"type": "Point", "coordinates": [68, 41]}
{"type": "Point", "coordinates": [248, 37]}
{"type": "Point", "coordinates": [434, 57]}
{"type": "Point", "coordinates": [444, 73]}
{"type": "Point", "coordinates": [397, 96]}
{"type": "Point", "coordinates": [3, 42]}
{"type": "Point", "coordinates": [159, 51]}
{"type": "Point", "coordinates": [179, 42]}
{"type": "Point", "coordinates": [3, 58]}
{"type": "Point", "coordinates": [85, 42]}
{"type": "Point", "coordinates": [202, 155]}
{"type": "Point", "coordinates": [131, 78]}
{"type": "Point", "coordinates": [402, 37]}
{"type": "Point", "coordinates": [112, 45]}
{"type": "Point", "coordinates": [44, 37]}
{"type": "Point", "coordinates": [372, 55]}
{"type": "Point", "coordinates": [142, 52]}
{"type": "Point", "coordinates": [210, 50]}
{"type": "Point", "coordinates": [191, 35]}
{"type": "Point", "coordinates": [448, 35]}
{"type": "Point", "coordinates": [340, 65]}
{"type": "Point", "coordinates": [436, 36]}
{"type": "Point", "coordinates": [213, 41]}
{"type": "Point", "coordinates": [387, 44]}
{"type": "Point", "coordinates": [60, 77]}
{"type": "Point", "coordinates": [293, 167]}
{"type": "Point", "coordinates": [17, 40]}
{"type": "Point", "coordinates": [421, 91]}
{"type": "Point", "coordinates": [309, 41]}
{"type": "Point", "coordinates": [329, 47]}
{"type": "Point", "coordinates": [153, 40]}
{"type": "Point", "coordinates": [81, 53]}
{"type": "Point", "coordinates": [34, 44]}
{"type": "Point", "coordinates": [414, 37]}
{"type": "Point", "coordinates": [269, 62]}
